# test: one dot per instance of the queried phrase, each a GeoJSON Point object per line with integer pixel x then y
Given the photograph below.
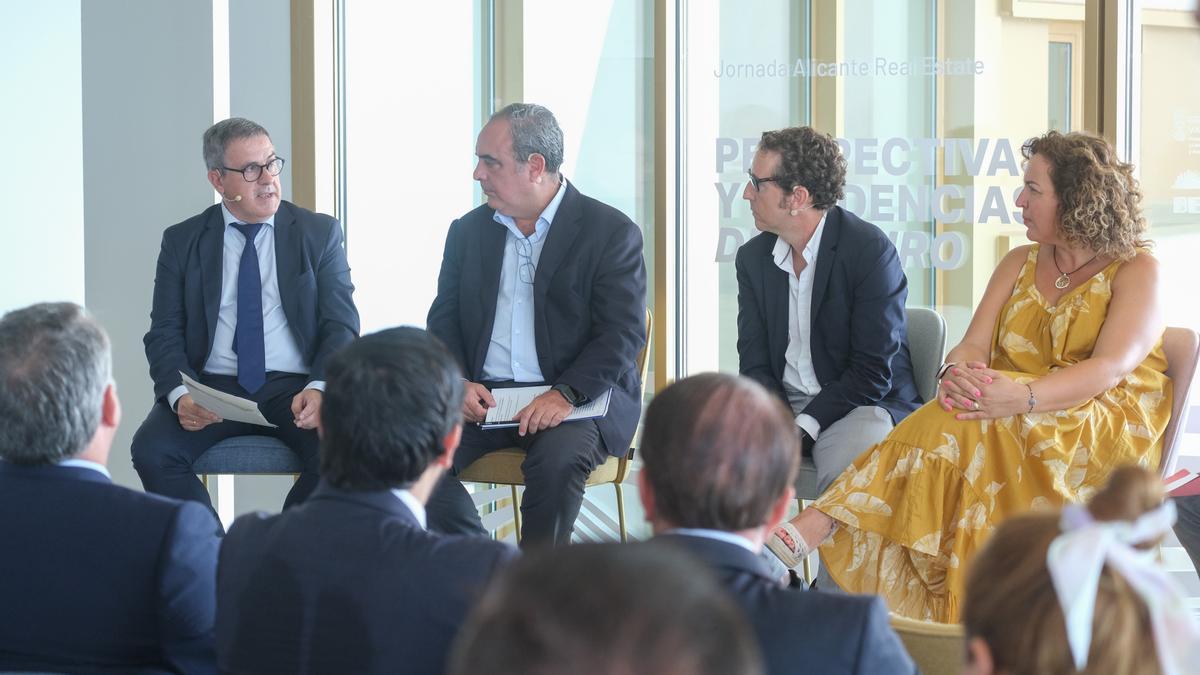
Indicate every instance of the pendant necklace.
{"type": "Point", "coordinates": [1064, 278]}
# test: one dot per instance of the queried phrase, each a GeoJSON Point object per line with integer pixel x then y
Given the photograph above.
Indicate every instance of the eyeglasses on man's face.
{"type": "Point", "coordinates": [252, 172]}
{"type": "Point", "coordinates": [757, 182]}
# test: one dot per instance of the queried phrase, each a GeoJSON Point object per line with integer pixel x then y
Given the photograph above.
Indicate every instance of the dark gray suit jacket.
{"type": "Point", "coordinates": [95, 577]}
{"type": "Point", "coordinates": [589, 303]}
{"type": "Point", "coordinates": [803, 631]}
{"type": "Point", "coordinates": [859, 330]}
{"type": "Point", "coordinates": [346, 582]}
{"type": "Point", "coordinates": [314, 289]}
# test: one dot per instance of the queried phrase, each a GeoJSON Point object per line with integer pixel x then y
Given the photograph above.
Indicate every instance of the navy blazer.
{"type": "Point", "coordinates": [803, 631]}
{"type": "Point", "coordinates": [346, 582]}
{"type": "Point", "coordinates": [589, 303]}
{"type": "Point", "coordinates": [95, 577]}
{"type": "Point", "coordinates": [859, 330]}
{"type": "Point", "coordinates": [314, 289]}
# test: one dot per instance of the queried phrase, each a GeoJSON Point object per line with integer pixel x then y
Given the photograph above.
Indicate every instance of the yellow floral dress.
{"type": "Point", "coordinates": [913, 510]}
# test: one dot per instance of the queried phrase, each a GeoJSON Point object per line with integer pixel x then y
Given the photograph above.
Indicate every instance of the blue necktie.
{"type": "Point", "coordinates": [248, 334]}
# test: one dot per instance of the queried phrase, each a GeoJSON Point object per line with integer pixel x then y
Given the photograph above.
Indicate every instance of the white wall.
{"type": "Point", "coordinates": [41, 177]}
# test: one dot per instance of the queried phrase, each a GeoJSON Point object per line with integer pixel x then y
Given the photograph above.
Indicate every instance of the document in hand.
{"type": "Point", "coordinates": [510, 401]}
{"type": "Point", "coordinates": [225, 406]}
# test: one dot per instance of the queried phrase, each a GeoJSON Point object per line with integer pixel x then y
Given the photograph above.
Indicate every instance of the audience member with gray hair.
{"type": "Point", "coordinates": [93, 576]}
{"type": "Point", "coordinates": [541, 286]}
{"type": "Point", "coordinates": [720, 455]}
{"type": "Point", "coordinates": [251, 297]}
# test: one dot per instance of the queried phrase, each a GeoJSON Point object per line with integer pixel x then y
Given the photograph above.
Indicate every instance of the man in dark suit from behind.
{"type": "Point", "coordinates": [351, 581]}
{"type": "Point", "coordinates": [720, 454]}
{"type": "Point", "coordinates": [93, 577]}
{"type": "Point", "coordinates": [251, 296]}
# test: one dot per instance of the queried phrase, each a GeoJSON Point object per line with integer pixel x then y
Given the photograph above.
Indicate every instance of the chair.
{"type": "Point", "coordinates": [936, 648]}
{"type": "Point", "coordinates": [244, 455]}
{"type": "Point", "coordinates": [1182, 348]}
{"type": "Point", "coordinates": [503, 467]}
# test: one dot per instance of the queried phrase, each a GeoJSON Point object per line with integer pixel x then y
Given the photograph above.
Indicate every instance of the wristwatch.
{"type": "Point", "coordinates": [568, 392]}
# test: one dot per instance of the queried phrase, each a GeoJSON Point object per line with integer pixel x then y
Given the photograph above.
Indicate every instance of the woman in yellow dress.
{"type": "Point", "coordinates": [1058, 381]}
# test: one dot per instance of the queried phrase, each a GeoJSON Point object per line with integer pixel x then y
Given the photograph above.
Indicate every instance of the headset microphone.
{"type": "Point", "coordinates": [236, 198]}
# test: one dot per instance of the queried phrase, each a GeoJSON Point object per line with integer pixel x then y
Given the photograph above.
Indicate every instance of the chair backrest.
{"type": "Point", "coordinates": [936, 648]}
{"type": "Point", "coordinates": [643, 359]}
{"type": "Point", "coordinates": [1182, 348]}
{"type": "Point", "coordinates": [926, 346]}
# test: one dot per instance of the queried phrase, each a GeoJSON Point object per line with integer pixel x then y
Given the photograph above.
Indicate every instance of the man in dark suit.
{"type": "Point", "coordinates": [93, 577]}
{"type": "Point", "coordinates": [540, 286]}
{"type": "Point", "coordinates": [251, 297]}
{"type": "Point", "coordinates": [351, 581]}
{"type": "Point", "coordinates": [821, 319]}
{"type": "Point", "coordinates": [720, 454]}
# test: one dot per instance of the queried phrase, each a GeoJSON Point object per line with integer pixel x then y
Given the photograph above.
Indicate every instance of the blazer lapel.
{"type": "Point", "coordinates": [559, 242]}
{"type": "Point", "coordinates": [211, 249]}
{"type": "Point", "coordinates": [775, 299]}
{"type": "Point", "coordinates": [491, 259]}
{"type": "Point", "coordinates": [825, 257]}
{"type": "Point", "coordinates": [288, 259]}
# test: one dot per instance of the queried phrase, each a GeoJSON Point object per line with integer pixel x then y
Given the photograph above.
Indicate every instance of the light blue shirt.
{"type": "Point", "coordinates": [512, 354]}
{"type": "Point", "coordinates": [282, 352]}
{"type": "Point", "coordinates": [87, 464]}
{"type": "Point", "coordinates": [413, 504]}
{"type": "Point", "coordinates": [718, 535]}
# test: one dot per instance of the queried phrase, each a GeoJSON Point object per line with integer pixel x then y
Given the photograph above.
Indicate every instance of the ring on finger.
{"type": "Point", "coordinates": [976, 404]}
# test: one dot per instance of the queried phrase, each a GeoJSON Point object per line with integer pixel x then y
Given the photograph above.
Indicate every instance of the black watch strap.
{"type": "Point", "coordinates": [573, 397]}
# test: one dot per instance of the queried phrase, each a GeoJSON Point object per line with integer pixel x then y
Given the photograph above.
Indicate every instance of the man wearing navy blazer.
{"type": "Point", "coordinates": [719, 456]}
{"type": "Point", "coordinates": [93, 577]}
{"type": "Point", "coordinates": [351, 581]}
{"type": "Point", "coordinates": [251, 297]}
{"type": "Point", "coordinates": [821, 318]}
{"type": "Point", "coordinates": [540, 286]}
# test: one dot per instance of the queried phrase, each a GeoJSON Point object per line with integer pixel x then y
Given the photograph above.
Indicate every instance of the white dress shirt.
{"type": "Point", "coordinates": [798, 372]}
{"type": "Point", "coordinates": [512, 353]}
{"type": "Point", "coordinates": [281, 351]}
{"type": "Point", "coordinates": [413, 504]}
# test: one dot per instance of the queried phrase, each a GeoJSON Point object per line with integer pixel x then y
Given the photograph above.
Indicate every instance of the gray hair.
{"type": "Point", "coordinates": [534, 130]}
{"type": "Point", "coordinates": [218, 136]}
{"type": "Point", "coordinates": [55, 363]}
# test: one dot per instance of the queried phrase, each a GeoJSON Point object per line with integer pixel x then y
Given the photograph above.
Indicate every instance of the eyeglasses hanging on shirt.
{"type": "Point", "coordinates": [525, 268]}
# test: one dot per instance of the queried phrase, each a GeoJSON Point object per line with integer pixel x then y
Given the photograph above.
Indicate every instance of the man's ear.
{"type": "Point", "coordinates": [979, 658]}
{"type": "Point", "coordinates": [110, 408]}
{"type": "Point", "coordinates": [217, 179]}
{"type": "Point", "coordinates": [800, 197]}
{"type": "Point", "coordinates": [537, 167]}
{"type": "Point", "coordinates": [449, 444]}
{"type": "Point", "coordinates": [647, 495]}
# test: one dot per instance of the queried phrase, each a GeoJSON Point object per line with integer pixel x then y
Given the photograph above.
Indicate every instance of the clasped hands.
{"type": "Point", "coordinates": [980, 392]}
{"type": "Point", "coordinates": [306, 407]}
{"type": "Point", "coordinates": [545, 411]}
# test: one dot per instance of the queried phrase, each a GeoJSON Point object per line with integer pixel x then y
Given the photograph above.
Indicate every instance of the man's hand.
{"type": "Point", "coordinates": [544, 412]}
{"type": "Point", "coordinates": [306, 407]}
{"type": "Point", "coordinates": [192, 417]}
{"type": "Point", "coordinates": [476, 401]}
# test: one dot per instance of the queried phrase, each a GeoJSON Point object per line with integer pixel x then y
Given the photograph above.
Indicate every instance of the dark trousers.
{"type": "Point", "coordinates": [557, 464]}
{"type": "Point", "coordinates": [163, 452]}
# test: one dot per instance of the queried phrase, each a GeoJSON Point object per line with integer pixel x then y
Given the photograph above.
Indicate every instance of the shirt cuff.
{"type": "Point", "coordinates": [175, 395]}
{"type": "Point", "coordinates": [809, 424]}
{"type": "Point", "coordinates": [319, 385]}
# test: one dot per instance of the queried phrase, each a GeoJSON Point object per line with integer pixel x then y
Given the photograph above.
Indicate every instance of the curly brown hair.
{"type": "Point", "coordinates": [810, 159]}
{"type": "Point", "coordinates": [1099, 200]}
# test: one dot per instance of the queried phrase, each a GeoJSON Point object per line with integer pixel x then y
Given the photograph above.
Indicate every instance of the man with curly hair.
{"type": "Point", "coordinates": [821, 319]}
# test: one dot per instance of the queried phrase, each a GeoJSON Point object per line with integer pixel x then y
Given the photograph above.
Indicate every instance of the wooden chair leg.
{"type": "Point", "coordinates": [516, 506]}
{"type": "Point", "coordinates": [621, 512]}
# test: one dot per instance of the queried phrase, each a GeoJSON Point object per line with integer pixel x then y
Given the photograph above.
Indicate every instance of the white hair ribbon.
{"type": "Point", "coordinates": [1078, 555]}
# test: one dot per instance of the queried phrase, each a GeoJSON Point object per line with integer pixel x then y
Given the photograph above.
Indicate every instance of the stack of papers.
{"type": "Point", "coordinates": [225, 406]}
{"type": "Point", "coordinates": [510, 401]}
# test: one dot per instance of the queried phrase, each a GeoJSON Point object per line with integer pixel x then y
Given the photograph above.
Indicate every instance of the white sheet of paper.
{"type": "Point", "coordinates": [510, 401]}
{"type": "Point", "coordinates": [226, 406]}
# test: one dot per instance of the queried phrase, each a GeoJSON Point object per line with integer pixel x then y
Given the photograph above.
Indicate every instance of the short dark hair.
{"type": "Point", "coordinates": [534, 131]}
{"type": "Point", "coordinates": [55, 363]}
{"type": "Point", "coordinates": [218, 136]}
{"type": "Point", "coordinates": [390, 399]}
{"type": "Point", "coordinates": [810, 159]}
{"type": "Point", "coordinates": [718, 451]}
{"type": "Point", "coordinates": [594, 609]}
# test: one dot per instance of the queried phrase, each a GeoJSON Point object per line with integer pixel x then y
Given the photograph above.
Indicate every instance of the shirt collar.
{"type": "Point", "coordinates": [782, 253]}
{"type": "Point", "coordinates": [230, 219]}
{"type": "Point", "coordinates": [86, 464]}
{"type": "Point", "coordinates": [542, 223]}
{"type": "Point", "coordinates": [718, 535]}
{"type": "Point", "coordinates": [413, 504]}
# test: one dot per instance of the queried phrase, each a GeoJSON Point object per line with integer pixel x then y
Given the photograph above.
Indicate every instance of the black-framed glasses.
{"type": "Point", "coordinates": [757, 182]}
{"type": "Point", "coordinates": [525, 268]}
{"type": "Point", "coordinates": [252, 172]}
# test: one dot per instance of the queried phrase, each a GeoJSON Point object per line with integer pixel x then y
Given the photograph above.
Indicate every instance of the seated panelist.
{"type": "Point", "coordinates": [251, 297]}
